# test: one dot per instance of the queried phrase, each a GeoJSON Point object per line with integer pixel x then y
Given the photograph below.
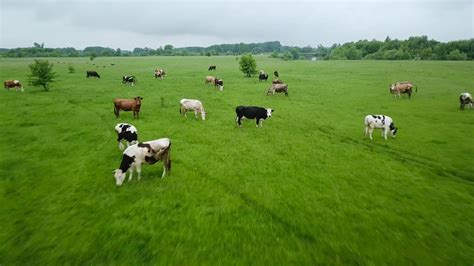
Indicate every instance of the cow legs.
{"type": "Point", "coordinates": [139, 171]}
{"type": "Point", "coordinates": [116, 112]}
{"type": "Point", "coordinates": [384, 134]}
{"type": "Point", "coordinates": [195, 114]}
{"type": "Point", "coordinates": [131, 173]}
{"type": "Point", "coordinates": [371, 130]}
{"type": "Point", "coordinates": [237, 119]}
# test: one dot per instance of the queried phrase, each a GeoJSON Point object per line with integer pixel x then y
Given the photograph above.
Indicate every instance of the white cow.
{"type": "Point", "coordinates": [379, 121]}
{"type": "Point", "coordinates": [192, 105]}
{"type": "Point", "coordinates": [465, 99]}
{"type": "Point", "coordinates": [146, 152]}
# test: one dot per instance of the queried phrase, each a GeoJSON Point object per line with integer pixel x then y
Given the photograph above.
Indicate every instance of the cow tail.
{"type": "Point", "coordinates": [416, 88]}
{"type": "Point", "coordinates": [167, 161]}
{"type": "Point", "coordinates": [116, 111]}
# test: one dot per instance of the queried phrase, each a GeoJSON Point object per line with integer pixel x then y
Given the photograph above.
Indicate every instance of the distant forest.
{"type": "Point", "coordinates": [419, 48]}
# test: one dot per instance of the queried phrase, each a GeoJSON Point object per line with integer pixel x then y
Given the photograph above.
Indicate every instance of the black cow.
{"type": "Point", "coordinates": [212, 68]}
{"type": "Point", "coordinates": [129, 80]}
{"type": "Point", "coordinates": [262, 77]}
{"type": "Point", "coordinates": [276, 73]}
{"type": "Point", "coordinates": [252, 112]}
{"type": "Point", "coordinates": [92, 74]}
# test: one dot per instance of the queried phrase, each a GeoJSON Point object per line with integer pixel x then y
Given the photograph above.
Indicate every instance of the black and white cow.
{"type": "Point", "coordinates": [148, 152]}
{"type": "Point", "coordinates": [127, 133]}
{"type": "Point", "coordinates": [262, 77]}
{"type": "Point", "coordinates": [252, 112]}
{"type": "Point", "coordinates": [129, 80]}
{"type": "Point", "coordinates": [465, 99]}
{"type": "Point", "coordinates": [219, 83]}
{"type": "Point", "coordinates": [276, 74]}
{"type": "Point", "coordinates": [379, 121]}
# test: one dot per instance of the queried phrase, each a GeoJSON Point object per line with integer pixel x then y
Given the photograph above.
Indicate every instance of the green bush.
{"type": "Point", "coordinates": [248, 65]}
{"type": "Point", "coordinates": [41, 74]}
{"type": "Point", "coordinates": [456, 55]}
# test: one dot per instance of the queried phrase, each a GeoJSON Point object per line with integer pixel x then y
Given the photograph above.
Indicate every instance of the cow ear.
{"type": "Point", "coordinates": [272, 110]}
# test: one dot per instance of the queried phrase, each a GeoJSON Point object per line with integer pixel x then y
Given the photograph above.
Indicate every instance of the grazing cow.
{"type": "Point", "coordinates": [192, 105]}
{"type": "Point", "coordinates": [210, 79]}
{"type": "Point", "coordinates": [379, 121]}
{"type": "Point", "coordinates": [159, 73]}
{"type": "Point", "coordinates": [465, 99]}
{"type": "Point", "coordinates": [129, 80]}
{"type": "Point", "coordinates": [252, 112]}
{"type": "Point", "coordinates": [278, 88]}
{"type": "Point", "coordinates": [128, 105]}
{"type": "Point", "coordinates": [219, 83]}
{"type": "Point", "coordinates": [127, 133]}
{"type": "Point", "coordinates": [402, 87]}
{"type": "Point", "coordinates": [92, 73]}
{"type": "Point", "coordinates": [211, 68]}
{"type": "Point", "coordinates": [276, 73]}
{"type": "Point", "coordinates": [277, 81]}
{"type": "Point", "coordinates": [148, 152]}
{"type": "Point", "coordinates": [8, 84]}
{"type": "Point", "coordinates": [262, 77]}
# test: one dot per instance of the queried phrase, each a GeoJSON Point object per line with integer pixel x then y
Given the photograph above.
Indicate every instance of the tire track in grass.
{"type": "Point", "coordinates": [404, 156]}
{"type": "Point", "coordinates": [268, 213]}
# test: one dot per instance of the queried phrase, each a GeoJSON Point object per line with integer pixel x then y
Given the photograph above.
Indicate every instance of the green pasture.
{"type": "Point", "coordinates": [307, 188]}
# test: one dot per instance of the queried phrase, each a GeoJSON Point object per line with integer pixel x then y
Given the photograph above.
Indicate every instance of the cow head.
{"type": "Point", "coordinates": [119, 176]}
{"type": "Point", "coordinates": [393, 129]}
{"type": "Point", "coordinates": [203, 115]}
{"type": "Point", "coordinates": [138, 99]}
{"type": "Point", "coordinates": [269, 112]}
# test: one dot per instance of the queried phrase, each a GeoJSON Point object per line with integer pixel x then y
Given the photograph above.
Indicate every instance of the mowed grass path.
{"type": "Point", "coordinates": [305, 188]}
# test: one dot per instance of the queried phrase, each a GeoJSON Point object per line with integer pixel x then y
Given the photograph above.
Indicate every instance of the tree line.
{"type": "Point", "coordinates": [417, 47]}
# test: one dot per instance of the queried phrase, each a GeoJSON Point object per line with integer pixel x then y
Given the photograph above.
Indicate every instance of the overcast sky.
{"type": "Point", "coordinates": [147, 23]}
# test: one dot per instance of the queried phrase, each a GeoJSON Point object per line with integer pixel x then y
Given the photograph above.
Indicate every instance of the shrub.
{"type": "Point", "coordinates": [248, 65]}
{"type": "Point", "coordinates": [41, 74]}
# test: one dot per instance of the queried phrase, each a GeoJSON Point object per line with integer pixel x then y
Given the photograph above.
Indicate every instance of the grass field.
{"type": "Point", "coordinates": [306, 188]}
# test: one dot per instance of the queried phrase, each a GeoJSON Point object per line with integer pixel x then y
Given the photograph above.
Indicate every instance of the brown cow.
{"type": "Point", "coordinates": [277, 81]}
{"type": "Point", "coordinates": [278, 88]}
{"type": "Point", "coordinates": [128, 105]}
{"type": "Point", "coordinates": [8, 84]}
{"type": "Point", "coordinates": [210, 79]}
{"type": "Point", "coordinates": [402, 87]}
{"type": "Point", "coordinates": [160, 73]}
